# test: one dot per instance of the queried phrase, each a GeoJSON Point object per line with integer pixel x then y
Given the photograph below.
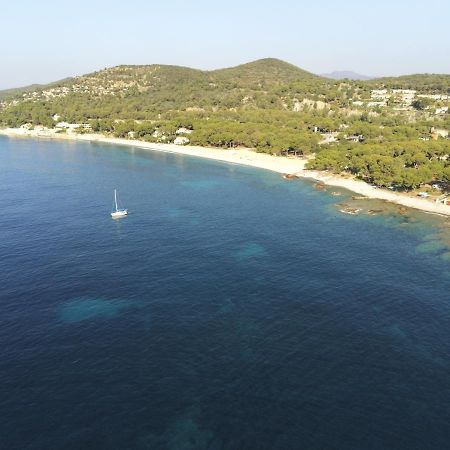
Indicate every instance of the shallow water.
{"type": "Point", "coordinates": [231, 309]}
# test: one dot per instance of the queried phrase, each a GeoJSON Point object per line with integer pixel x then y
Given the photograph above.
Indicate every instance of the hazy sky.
{"type": "Point", "coordinates": [46, 40]}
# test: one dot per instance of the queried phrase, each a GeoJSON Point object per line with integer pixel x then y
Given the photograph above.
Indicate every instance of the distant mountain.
{"type": "Point", "coordinates": [346, 74]}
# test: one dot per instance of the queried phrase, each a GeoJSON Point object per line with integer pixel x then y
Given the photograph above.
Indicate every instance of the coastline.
{"type": "Point", "coordinates": [247, 157]}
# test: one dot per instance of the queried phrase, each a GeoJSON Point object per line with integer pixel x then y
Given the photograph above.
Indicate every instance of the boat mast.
{"type": "Point", "coordinates": [115, 198]}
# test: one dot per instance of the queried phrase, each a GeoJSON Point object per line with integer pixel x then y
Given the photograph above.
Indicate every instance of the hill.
{"type": "Point", "coordinates": [15, 92]}
{"type": "Point", "coordinates": [425, 82]}
{"type": "Point", "coordinates": [267, 71]}
{"type": "Point", "coordinates": [6, 93]}
{"type": "Point", "coordinates": [139, 91]}
{"type": "Point", "coordinates": [346, 74]}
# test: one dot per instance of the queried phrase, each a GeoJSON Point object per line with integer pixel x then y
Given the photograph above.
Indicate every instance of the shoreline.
{"type": "Point", "coordinates": [247, 157]}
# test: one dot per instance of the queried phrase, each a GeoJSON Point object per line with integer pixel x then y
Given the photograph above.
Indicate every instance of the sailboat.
{"type": "Point", "coordinates": [118, 212]}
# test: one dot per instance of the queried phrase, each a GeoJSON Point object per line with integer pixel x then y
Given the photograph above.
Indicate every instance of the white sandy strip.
{"type": "Point", "coordinates": [250, 158]}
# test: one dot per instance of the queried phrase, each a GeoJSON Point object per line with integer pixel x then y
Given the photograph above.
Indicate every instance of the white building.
{"type": "Point", "coordinates": [404, 91]}
{"type": "Point", "coordinates": [380, 94]}
{"type": "Point", "coordinates": [68, 126]}
{"type": "Point", "coordinates": [439, 132]}
{"type": "Point", "coordinates": [328, 138]}
{"type": "Point", "coordinates": [442, 110]}
{"type": "Point", "coordinates": [435, 96]}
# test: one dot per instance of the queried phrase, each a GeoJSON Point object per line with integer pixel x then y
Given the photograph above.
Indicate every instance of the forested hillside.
{"type": "Point", "coordinates": [391, 131]}
{"type": "Point", "coordinates": [423, 82]}
{"type": "Point", "coordinates": [138, 92]}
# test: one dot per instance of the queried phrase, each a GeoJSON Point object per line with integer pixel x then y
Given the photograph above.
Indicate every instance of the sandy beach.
{"type": "Point", "coordinates": [247, 157]}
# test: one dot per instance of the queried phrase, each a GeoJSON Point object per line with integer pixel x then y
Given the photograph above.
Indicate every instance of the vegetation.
{"type": "Point", "coordinates": [268, 105]}
{"type": "Point", "coordinates": [14, 92]}
{"type": "Point", "coordinates": [426, 82]}
{"type": "Point", "coordinates": [403, 166]}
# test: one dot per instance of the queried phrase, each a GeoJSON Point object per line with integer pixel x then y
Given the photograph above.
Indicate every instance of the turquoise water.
{"type": "Point", "coordinates": [231, 309]}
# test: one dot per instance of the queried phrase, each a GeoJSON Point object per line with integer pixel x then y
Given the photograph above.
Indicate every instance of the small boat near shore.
{"type": "Point", "coordinates": [117, 212]}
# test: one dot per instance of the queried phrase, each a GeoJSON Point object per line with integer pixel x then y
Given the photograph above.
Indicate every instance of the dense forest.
{"type": "Point", "coordinates": [268, 105]}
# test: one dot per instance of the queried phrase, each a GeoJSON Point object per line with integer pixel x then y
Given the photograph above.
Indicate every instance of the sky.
{"type": "Point", "coordinates": [47, 40]}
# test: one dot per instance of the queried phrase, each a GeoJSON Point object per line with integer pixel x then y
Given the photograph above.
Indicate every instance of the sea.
{"type": "Point", "coordinates": [231, 309]}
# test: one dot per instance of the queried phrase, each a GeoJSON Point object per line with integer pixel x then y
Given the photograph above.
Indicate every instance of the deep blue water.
{"type": "Point", "coordinates": [230, 310]}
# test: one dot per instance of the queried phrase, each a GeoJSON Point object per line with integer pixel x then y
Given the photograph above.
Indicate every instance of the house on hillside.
{"type": "Point", "coordinates": [379, 94]}
{"type": "Point", "coordinates": [354, 138]}
{"type": "Point", "coordinates": [68, 126]}
{"type": "Point", "coordinates": [320, 130]}
{"type": "Point", "coordinates": [438, 132]}
{"type": "Point", "coordinates": [442, 110]}
{"type": "Point", "coordinates": [404, 91]}
{"type": "Point", "coordinates": [328, 138]}
{"type": "Point", "coordinates": [291, 152]}
{"type": "Point", "coordinates": [435, 96]}
{"type": "Point", "coordinates": [406, 95]}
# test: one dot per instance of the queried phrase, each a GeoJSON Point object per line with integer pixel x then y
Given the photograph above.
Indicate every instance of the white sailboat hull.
{"type": "Point", "coordinates": [120, 213]}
